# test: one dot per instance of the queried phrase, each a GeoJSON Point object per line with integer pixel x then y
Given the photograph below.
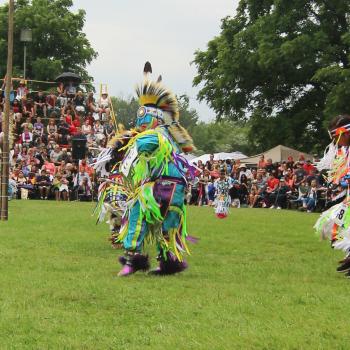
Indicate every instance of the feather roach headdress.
{"type": "Point", "coordinates": [152, 94]}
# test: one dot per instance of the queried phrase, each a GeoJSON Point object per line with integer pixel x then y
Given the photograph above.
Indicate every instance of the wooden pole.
{"type": "Point", "coordinates": [6, 122]}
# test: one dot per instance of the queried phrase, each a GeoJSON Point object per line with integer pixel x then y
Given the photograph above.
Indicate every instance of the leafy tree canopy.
{"type": "Point", "coordinates": [282, 64]}
{"type": "Point", "coordinates": [224, 136]}
{"type": "Point", "coordinates": [58, 45]}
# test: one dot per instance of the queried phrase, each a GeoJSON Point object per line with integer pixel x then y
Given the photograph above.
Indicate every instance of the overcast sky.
{"type": "Point", "coordinates": [126, 33]}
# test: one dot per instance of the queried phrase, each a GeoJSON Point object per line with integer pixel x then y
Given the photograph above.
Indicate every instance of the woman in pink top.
{"type": "Point", "coordinates": [49, 167]}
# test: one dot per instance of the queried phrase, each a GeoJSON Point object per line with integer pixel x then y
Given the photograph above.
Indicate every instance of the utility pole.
{"type": "Point", "coordinates": [6, 121]}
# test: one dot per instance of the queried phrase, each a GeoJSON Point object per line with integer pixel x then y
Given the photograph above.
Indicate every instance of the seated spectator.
{"type": "Point", "coordinates": [254, 175]}
{"type": "Point", "coordinates": [289, 179]}
{"type": "Point", "coordinates": [254, 194]}
{"type": "Point", "coordinates": [278, 197]}
{"type": "Point", "coordinates": [272, 185]}
{"type": "Point", "coordinates": [79, 102]}
{"type": "Point", "coordinates": [86, 128]}
{"type": "Point", "coordinates": [235, 193]}
{"type": "Point", "coordinates": [104, 108]}
{"type": "Point", "coordinates": [243, 189]}
{"type": "Point", "coordinates": [310, 199]}
{"type": "Point", "coordinates": [91, 120]}
{"type": "Point", "coordinates": [49, 167]}
{"type": "Point", "coordinates": [84, 191]}
{"type": "Point", "coordinates": [85, 168]}
{"type": "Point", "coordinates": [17, 110]}
{"type": "Point", "coordinates": [62, 95]}
{"type": "Point", "coordinates": [38, 129]}
{"type": "Point", "coordinates": [243, 171]}
{"type": "Point", "coordinates": [55, 154]}
{"type": "Point", "coordinates": [28, 124]}
{"type": "Point", "coordinates": [290, 163]}
{"type": "Point", "coordinates": [22, 91]}
{"type": "Point", "coordinates": [64, 156]}
{"type": "Point", "coordinates": [51, 103]}
{"type": "Point", "coordinates": [64, 188]}
{"type": "Point", "coordinates": [76, 122]}
{"type": "Point", "coordinates": [27, 137]}
{"type": "Point", "coordinates": [43, 183]}
{"type": "Point", "coordinates": [28, 107]}
{"type": "Point", "coordinates": [40, 104]}
{"type": "Point", "coordinates": [91, 104]}
{"type": "Point", "coordinates": [51, 128]}
{"type": "Point", "coordinates": [63, 131]}
{"type": "Point", "coordinates": [109, 129]}
{"type": "Point", "coordinates": [299, 174]}
{"type": "Point", "coordinates": [21, 182]}
{"type": "Point", "coordinates": [99, 132]}
{"type": "Point", "coordinates": [61, 168]}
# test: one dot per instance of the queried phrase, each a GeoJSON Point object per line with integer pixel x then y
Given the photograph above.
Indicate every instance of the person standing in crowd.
{"type": "Point", "coordinates": [262, 162]}
{"type": "Point", "coordinates": [210, 163]}
{"type": "Point", "coordinates": [222, 197]}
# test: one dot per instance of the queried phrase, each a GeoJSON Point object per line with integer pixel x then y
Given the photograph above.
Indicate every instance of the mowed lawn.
{"type": "Point", "coordinates": [259, 279]}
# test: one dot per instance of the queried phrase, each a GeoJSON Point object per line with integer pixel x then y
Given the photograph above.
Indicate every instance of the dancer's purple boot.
{"type": "Point", "coordinates": [169, 266]}
{"type": "Point", "coordinates": [133, 262]}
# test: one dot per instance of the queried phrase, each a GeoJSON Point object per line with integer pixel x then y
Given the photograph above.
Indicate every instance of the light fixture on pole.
{"type": "Point", "coordinates": [26, 37]}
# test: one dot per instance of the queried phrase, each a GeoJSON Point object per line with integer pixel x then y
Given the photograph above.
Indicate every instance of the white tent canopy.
{"type": "Point", "coordinates": [219, 156]}
{"type": "Point", "coordinates": [277, 154]}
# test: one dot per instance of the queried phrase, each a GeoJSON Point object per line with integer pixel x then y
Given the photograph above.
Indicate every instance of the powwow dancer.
{"type": "Point", "coordinates": [222, 198]}
{"type": "Point", "coordinates": [112, 193]}
{"type": "Point", "coordinates": [335, 222]}
{"type": "Point", "coordinates": [155, 173]}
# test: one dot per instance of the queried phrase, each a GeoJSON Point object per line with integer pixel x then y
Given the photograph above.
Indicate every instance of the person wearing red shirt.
{"type": "Point", "coordinates": [49, 167]}
{"type": "Point", "coordinates": [76, 121]}
{"type": "Point", "coordinates": [308, 167]}
{"type": "Point", "coordinates": [272, 185]}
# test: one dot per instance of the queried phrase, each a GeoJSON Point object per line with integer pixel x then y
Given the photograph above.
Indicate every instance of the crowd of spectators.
{"type": "Point", "coordinates": [41, 164]}
{"type": "Point", "coordinates": [287, 184]}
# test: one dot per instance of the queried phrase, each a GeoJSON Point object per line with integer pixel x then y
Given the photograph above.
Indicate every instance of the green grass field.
{"type": "Point", "coordinates": [258, 280]}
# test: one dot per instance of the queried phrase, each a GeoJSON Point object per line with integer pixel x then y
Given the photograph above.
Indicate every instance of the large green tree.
{"type": "Point", "coordinates": [284, 66]}
{"type": "Point", "coordinates": [59, 43]}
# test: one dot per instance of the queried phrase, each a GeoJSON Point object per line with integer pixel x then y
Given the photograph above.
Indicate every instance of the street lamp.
{"type": "Point", "coordinates": [26, 37]}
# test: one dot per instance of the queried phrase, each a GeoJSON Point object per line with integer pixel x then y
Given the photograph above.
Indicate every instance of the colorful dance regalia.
{"type": "Point", "coordinates": [155, 172]}
{"type": "Point", "coordinates": [334, 223]}
{"type": "Point", "coordinates": [112, 193]}
{"type": "Point", "coordinates": [222, 198]}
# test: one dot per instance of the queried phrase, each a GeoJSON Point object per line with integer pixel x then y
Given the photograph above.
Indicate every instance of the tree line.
{"type": "Point", "coordinates": [276, 74]}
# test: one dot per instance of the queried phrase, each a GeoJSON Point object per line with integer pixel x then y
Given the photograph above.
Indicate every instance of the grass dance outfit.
{"type": "Point", "coordinates": [154, 175]}
{"type": "Point", "coordinates": [334, 223]}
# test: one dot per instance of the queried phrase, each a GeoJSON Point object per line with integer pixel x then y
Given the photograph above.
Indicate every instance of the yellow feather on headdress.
{"type": "Point", "coordinates": [154, 94]}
